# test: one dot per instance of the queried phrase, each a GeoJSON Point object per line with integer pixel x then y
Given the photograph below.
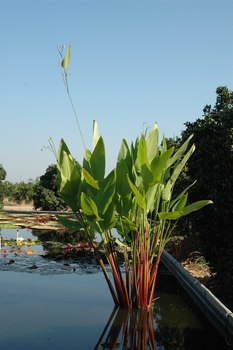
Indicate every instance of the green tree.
{"type": "Point", "coordinates": [23, 191]}
{"type": "Point", "coordinates": [2, 178]}
{"type": "Point", "coordinates": [46, 195]}
{"type": "Point", "coordinates": [212, 165]}
{"type": "Point", "coordinates": [8, 189]}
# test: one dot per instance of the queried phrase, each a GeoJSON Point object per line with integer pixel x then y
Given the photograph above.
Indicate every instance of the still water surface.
{"type": "Point", "coordinates": [71, 310]}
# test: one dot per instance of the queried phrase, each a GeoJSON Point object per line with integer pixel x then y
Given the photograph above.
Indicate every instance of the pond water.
{"type": "Point", "coordinates": [68, 307]}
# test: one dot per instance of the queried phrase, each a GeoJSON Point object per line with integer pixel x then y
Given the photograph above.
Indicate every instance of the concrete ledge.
{"type": "Point", "coordinates": [217, 313]}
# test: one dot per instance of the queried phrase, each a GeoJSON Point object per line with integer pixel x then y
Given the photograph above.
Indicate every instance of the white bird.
{"type": "Point", "coordinates": [19, 238]}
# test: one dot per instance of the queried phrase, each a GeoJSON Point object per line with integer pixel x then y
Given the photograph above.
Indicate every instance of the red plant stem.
{"type": "Point", "coordinates": [119, 286]}
{"type": "Point", "coordinates": [141, 280]}
{"type": "Point", "coordinates": [115, 299]}
{"type": "Point", "coordinates": [126, 293]}
{"type": "Point", "coordinates": [110, 286]}
{"type": "Point", "coordinates": [127, 271]}
{"type": "Point", "coordinates": [155, 268]}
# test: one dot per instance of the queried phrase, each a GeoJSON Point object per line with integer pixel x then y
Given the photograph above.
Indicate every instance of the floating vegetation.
{"type": "Point", "coordinates": [34, 221]}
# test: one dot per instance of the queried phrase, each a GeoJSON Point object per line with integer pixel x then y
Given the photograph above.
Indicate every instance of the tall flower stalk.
{"type": "Point", "coordinates": [135, 198]}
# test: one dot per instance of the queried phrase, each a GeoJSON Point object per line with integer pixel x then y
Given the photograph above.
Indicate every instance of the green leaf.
{"type": "Point", "coordinates": [181, 194]}
{"type": "Point", "coordinates": [179, 153]}
{"type": "Point", "coordinates": [122, 185]}
{"type": "Point", "coordinates": [66, 60]}
{"type": "Point", "coordinates": [164, 145]}
{"type": "Point", "coordinates": [86, 161]}
{"type": "Point", "coordinates": [151, 198]}
{"type": "Point", "coordinates": [152, 143]}
{"type": "Point", "coordinates": [70, 224]}
{"type": "Point", "coordinates": [95, 227]}
{"type": "Point", "coordinates": [129, 224]}
{"type": "Point", "coordinates": [123, 152]}
{"type": "Point", "coordinates": [90, 181]}
{"type": "Point", "coordinates": [124, 204]}
{"type": "Point", "coordinates": [70, 176]}
{"type": "Point", "coordinates": [106, 192]}
{"type": "Point", "coordinates": [62, 147]}
{"type": "Point", "coordinates": [171, 181]}
{"type": "Point", "coordinates": [139, 198]}
{"type": "Point", "coordinates": [143, 161]}
{"type": "Point", "coordinates": [159, 163]}
{"type": "Point", "coordinates": [196, 206]}
{"type": "Point", "coordinates": [95, 134]}
{"type": "Point", "coordinates": [70, 181]}
{"type": "Point", "coordinates": [109, 218]}
{"type": "Point", "coordinates": [174, 215]}
{"type": "Point", "coordinates": [179, 206]}
{"type": "Point", "coordinates": [89, 208]}
{"type": "Point", "coordinates": [97, 161]}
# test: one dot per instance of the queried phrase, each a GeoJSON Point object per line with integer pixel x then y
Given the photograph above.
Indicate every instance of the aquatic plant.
{"type": "Point", "coordinates": [135, 197]}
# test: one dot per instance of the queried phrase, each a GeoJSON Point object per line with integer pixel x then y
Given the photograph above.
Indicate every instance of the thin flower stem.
{"type": "Point", "coordinates": [76, 117]}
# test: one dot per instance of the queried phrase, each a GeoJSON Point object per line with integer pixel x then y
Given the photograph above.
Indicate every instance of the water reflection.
{"type": "Point", "coordinates": [135, 328]}
{"type": "Point", "coordinates": [173, 323]}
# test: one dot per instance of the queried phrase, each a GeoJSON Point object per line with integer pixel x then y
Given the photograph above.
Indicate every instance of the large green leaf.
{"type": "Point", "coordinates": [106, 192]}
{"type": "Point", "coordinates": [174, 215]}
{"type": "Point", "coordinates": [152, 143]}
{"type": "Point", "coordinates": [151, 198]}
{"type": "Point", "coordinates": [97, 161]}
{"type": "Point", "coordinates": [66, 60]}
{"type": "Point", "coordinates": [70, 181]}
{"type": "Point", "coordinates": [123, 152]}
{"type": "Point", "coordinates": [195, 206]}
{"type": "Point", "coordinates": [122, 185]}
{"type": "Point", "coordinates": [139, 198]}
{"type": "Point", "coordinates": [70, 224]}
{"type": "Point", "coordinates": [124, 204]}
{"type": "Point", "coordinates": [143, 161]}
{"type": "Point", "coordinates": [70, 176]}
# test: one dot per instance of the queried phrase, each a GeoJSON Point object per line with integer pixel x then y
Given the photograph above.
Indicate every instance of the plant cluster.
{"type": "Point", "coordinates": [135, 197]}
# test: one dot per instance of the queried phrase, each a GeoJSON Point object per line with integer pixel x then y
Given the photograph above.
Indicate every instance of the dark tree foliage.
{"type": "Point", "coordinates": [2, 178]}
{"type": "Point", "coordinates": [46, 195]}
{"type": "Point", "coordinates": [212, 166]}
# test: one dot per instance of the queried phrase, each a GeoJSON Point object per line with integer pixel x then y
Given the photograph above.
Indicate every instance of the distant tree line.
{"type": "Point", "coordinates": [42, 192]}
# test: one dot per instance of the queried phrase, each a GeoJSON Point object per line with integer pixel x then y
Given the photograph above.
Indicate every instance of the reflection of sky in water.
{"type": "Point", "coordinates": [12, 233]}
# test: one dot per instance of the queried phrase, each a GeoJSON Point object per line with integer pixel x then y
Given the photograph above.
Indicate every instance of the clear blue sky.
{"type": "Point", "coordinates": [131, 62]}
